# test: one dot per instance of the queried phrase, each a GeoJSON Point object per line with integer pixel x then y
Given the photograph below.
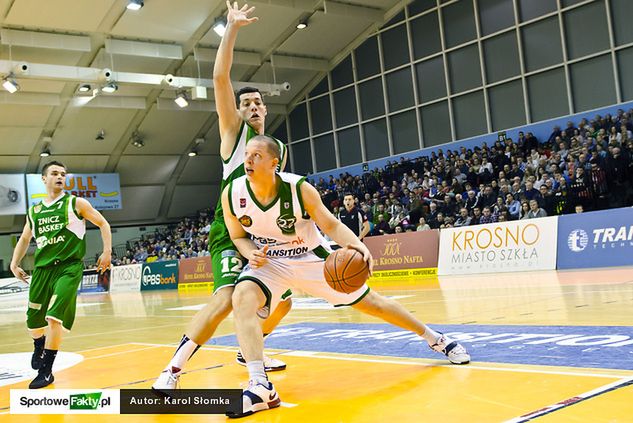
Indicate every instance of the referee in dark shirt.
{"type": "Point", "coordinates": [353, 217]}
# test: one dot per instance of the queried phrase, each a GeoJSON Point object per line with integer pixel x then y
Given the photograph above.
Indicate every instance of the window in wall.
{"type": "Point", "coordinates": [502, 57]}
{"type": "Point", "coordinates": [376, 139]}
{"type": "Point", "coordinates": [345, 107]}
{"type": "Point", "coordinates": [371, 98]}
{"type": "Point", "coordinates": [404, 132]}
{"type": "Point", "coordinates": [419, 6]}
{"type": "Point", "coordinates": [459, 23]}
{"type": "Point", "coordinates": [321, 114]}
{"type": "Point", "coordinates": [470, 115]}
{"type": "Point", "coordinates": [621, 19]}
{"type": "Point", "coordinates": [431, 80]}
{"type": "Point", "coordinates": [325, 154]}
{"type": "Point", "coordinates": [586, 30]}
{"type": "Point", "coordinates": [400, 89]}
{"type": "Point", "coordinates": [530, 9]}
{"type": "Point", "coordinates": [567, 3]}
{"type": "Point", "coordinates": [547, 92]}
{"type": "Point", "coordinates": [425, 35]}
{"type": "Point", "coordinates": [436, 125]}
{"type": "Point", "coordinates": [302, 157]}
{"type": "Point", "coordinates": [395, 48]}
{"type": "Point", "coordinates": [281, 133]}
{"type": "Point", "coordinates": [495, 15]}
{"type": "Point", "coordinates": [299, 122]}
{"type": "Point", "coordinates": [367, 62]}
{"type": "Point", "coordinates": [592, 83]}
{"type": "Point", "coordinates": [625, 70]}
{"type": "Point", "coordinates": [398, 18]}
{"type": "Point", "coordinates": [541, 44]}
{"type": "Point", "coordinates": [321, 88]}
{"type": "Point", "coordinates": [464, 70]}
{"type": "Point", "coordinates": [342, 74]}
{"type": "Point", "coordinates": [349, 146]}
{"type": "Point", "coordinates": [507, 107]}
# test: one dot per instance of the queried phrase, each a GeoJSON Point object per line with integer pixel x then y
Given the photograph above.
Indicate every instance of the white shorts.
{"type": "Point", "coordinates": [303, 273]}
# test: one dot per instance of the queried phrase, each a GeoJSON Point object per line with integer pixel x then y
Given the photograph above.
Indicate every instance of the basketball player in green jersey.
{"type": "Point", "coordinates": [58, 225]}
{"type": "Point", "coordinates": [237, 127]}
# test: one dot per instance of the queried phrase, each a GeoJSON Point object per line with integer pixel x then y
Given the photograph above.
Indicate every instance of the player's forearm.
{"type": "Point", "coordinates": [106, 236]}
{"type": "Point", "coordinates": [341, 234]}
{"type": "Point", "coordinates": [224, 57]}
{"type": "Point", "coordinates": [20, 251]}
{"type": "Point", "coordinates": [245, 246]}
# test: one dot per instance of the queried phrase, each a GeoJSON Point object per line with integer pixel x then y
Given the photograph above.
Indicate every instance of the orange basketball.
{"type": "Point", "coordinates": [345, 270]}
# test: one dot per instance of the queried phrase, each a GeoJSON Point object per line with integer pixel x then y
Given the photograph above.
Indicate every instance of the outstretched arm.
{"type": "Point", "coordinates": [223, 89]}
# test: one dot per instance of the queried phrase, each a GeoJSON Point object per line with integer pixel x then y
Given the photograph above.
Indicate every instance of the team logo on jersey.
{"type": "Point", "coordinates": [242, 203]}
{"type": "Point", "coordinates": [37, 208]}
{"type": "Point", "coordinates": [246, 221]}
{"type": "Point", "coordinates": [287, 224]}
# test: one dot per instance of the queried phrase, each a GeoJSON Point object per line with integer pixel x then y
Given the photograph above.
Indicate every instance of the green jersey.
{"type": "Point", "coordinates": [233, 167]}
{"type": "Point", "coordinates": [58, 230]}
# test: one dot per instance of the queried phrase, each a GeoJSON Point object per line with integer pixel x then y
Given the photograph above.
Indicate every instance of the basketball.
{"type": "Point", "coordinates": [345, 270]}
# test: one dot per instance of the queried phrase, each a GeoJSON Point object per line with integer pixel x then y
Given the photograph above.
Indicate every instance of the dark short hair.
{"type": "Point", "coordinates": [246, 90]}
{"type": "Point", "coordinates": [350, 194]}
{"type": "Point", "coordinates": [272, 145]}
{"type": "Point", "coordinates": [52, 163]}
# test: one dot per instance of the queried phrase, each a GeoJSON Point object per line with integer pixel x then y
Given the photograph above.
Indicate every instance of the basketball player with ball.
{"type": "Point", "coordinates": [272, 218]}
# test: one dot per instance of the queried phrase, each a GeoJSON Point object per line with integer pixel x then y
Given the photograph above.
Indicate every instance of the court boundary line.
{"type": "Point", "coordinates": [622, 383]}
{"type": "Point", "coordinates": [318, 354]}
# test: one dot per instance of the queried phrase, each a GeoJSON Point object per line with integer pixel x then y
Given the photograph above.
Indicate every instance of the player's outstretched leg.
{"type": "Point", "coordinates": [393, 312]}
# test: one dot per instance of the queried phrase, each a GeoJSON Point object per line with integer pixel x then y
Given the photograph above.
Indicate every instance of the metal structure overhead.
{"type": "Point", "coordinates": [60, 51]}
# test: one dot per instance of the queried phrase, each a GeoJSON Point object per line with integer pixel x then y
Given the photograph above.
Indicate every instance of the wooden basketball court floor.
{"type": "Point", "coordinates": [126, 339]}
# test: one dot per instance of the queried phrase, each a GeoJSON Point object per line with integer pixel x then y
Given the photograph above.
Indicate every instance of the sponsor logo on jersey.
{"type": "Point", "coordinates": [287, 224]}
{"type": "Point", "coordinates": [242, 203]}
{"type": "Point", "coordinates": [246, 221]}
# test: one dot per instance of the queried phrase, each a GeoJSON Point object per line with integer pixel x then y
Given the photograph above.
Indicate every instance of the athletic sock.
{"type": "Point", "coordinates": [185, 350]}
{"type": "Point", "coordinates": [49, 359]}
{"type": "Point", "coordinates": [430, 335]}
{"type": "Point", "coordinates": [39, 342]}
{"type": "Point", "coordinates": [256, 372]}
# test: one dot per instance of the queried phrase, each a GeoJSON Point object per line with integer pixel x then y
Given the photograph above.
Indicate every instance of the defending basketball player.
{"type": "Point", "coordinates": [272, 220]}
{"type": "Point", "coordinates": [237, 127]}
{"type": "Point", "coordinates": [59, 227]}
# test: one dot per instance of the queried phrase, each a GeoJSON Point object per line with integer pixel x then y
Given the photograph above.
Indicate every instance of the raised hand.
{"type": "Point", "coordinates": [239, 16]}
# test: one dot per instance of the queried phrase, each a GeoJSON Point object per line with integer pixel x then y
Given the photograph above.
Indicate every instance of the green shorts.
{"type": "Point", "coordinates": [53, 294]}
{"type": "Point", "coordinates": [226, 262]}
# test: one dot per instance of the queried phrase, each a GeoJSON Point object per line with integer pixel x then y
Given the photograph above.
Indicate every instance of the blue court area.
{"type": "Point", "coordinates": [609, 347]}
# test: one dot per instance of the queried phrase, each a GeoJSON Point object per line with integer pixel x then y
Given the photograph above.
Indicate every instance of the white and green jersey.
{"type": "Point", "coordinates": [234, 166]}
{"type": "Point", "coordinates": [58, 230]}
{"type": "Point", "coordinates": [283, 224]}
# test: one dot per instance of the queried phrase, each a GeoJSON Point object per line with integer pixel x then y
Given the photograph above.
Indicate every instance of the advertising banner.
{"type": "Point", "coordinates": [126, 278]}
{"type": "Point", "coordinates": [406, 254]}
{"type": "Point", "coordinates": [12, 194]}
{"type": "Point", "coordinates": [95, 282]}
{"type": "Point", "coordinates": [195, 270]}
{"type": "Point", "coordinates": [499, 247]}
{"type": "Point", "coordinates": [596, 239]}
{"type": "Point", "coordinates": [159, 275]}
{"type": "Point", "coordinates": [102, 190]}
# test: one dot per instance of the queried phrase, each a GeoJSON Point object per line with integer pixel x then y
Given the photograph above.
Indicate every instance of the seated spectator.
{"type": "Point", "coordinates": [535, 211]}
{"type": "Point", "coordinates": [422, 225]}
{"type": "Point", "coordinates": [487, 216]}
{"type": "Point", "coordinates": [464, 219]}
{"type": "Point", "coordinates": [514, 207]}
{"type": "Point", "coordinates": [381, 227]}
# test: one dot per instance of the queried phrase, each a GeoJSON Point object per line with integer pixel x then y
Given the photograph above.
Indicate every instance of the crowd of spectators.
{"type": "Point", "coordinates": [582, 167]}
{"type": "Point", "coordinates": [189, 238]}
{"type": "Point", "coordinates": [579, 168]}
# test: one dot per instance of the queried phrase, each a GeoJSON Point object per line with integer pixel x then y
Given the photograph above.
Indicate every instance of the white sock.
{"type": "Point", "coordinates": [184, 351]}
{"type": "Point", "coordinates": [430, 335]}
{"type": "Point", "coordinates": [256, 371]}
